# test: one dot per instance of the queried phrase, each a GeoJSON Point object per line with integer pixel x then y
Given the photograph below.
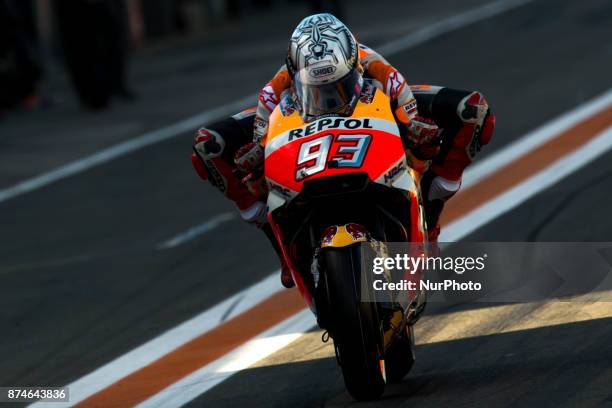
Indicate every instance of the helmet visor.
{"type": "Point", "coordinates": [317, 98]}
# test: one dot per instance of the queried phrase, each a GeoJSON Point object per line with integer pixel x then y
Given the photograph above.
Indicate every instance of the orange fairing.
{"type": "Point", "coordinates": [368, 141]}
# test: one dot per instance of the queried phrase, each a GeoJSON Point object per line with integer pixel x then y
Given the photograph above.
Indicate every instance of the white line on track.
{"type": "Point", "coordinates": [528, 188]}
{"type": "Point", "coordinates": [196, 231]}
{"type": "Point", "coordinates": [123, 148]}
{"type": "Point", "coordinates": [168, 341]}
{"type": "Point", "coordinates": [260, 347]}
{"type": "Point", "coordinates": [411, 40]}
{"type": "Point", "coordinates": [449, 24]}
{"type": "Point", "coordinates": [535, 138]}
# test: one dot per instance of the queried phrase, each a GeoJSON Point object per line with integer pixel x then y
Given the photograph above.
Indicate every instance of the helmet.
{"type": "Point", "coordinates": [323, 60]}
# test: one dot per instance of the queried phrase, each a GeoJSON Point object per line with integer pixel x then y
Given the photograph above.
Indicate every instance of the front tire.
{"type": "Point", "coordinates": [355, 325]}
{"type": "Point", "coordinates": [400, 356]}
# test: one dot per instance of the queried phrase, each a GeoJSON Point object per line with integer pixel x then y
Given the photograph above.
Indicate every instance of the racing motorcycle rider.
{"type": "Point", "coordinates": [444, 126]}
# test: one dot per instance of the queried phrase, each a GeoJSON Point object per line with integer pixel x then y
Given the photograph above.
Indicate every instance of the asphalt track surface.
{"type": "Point", "coordinates": [83, 282]}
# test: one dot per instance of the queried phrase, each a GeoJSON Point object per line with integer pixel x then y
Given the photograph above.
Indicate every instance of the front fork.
{"type": "Point", "coordinates": [337, 236]}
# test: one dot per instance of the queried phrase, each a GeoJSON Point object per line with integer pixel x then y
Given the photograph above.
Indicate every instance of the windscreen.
{"type": "Point", "coordinates": [317, 98]}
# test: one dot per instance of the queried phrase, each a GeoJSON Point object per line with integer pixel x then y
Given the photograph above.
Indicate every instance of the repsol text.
{"type": "Point", "coordinates": [330, 123]}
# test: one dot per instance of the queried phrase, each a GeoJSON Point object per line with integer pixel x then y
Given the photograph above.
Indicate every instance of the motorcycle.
{"type": "Point", "coordinates": [337, 185]}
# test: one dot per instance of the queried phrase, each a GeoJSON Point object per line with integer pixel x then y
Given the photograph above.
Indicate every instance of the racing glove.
{"type": "Point", "coordinates": [249, 160]}
{"type": "Point", "coordinates": [423, 138]}
{"type": "Point", "coordinates": [249, 157]}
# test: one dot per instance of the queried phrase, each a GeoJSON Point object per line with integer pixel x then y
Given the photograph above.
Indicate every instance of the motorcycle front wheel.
{"type": "Point", "coordinates": [356, 326]}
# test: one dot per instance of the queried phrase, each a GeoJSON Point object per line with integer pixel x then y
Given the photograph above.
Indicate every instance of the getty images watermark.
{"type": "Point", "coordinates": [488, 271]}
{"type": "Point", "coordinates": [421, 264]}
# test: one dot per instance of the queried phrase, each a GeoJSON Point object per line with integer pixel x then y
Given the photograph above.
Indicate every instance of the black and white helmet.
{"type": "Point", "coordinates": [323, 60]}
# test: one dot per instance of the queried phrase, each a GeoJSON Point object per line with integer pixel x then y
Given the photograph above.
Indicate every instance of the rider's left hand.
{"type": "Point", "coordinates": [249, 157]}
{"type": "Point", "coordinates": [423, 138]}
{"type": "Point", "coordinates": [249, 160]}
{"type": "Point", "coordinates": [422, 131]}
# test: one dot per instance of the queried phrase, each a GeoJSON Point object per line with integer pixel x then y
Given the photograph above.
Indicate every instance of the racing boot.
{"type": "Point", "coordinates": [436, 191]}
{"type": "Point", "coordinates": [459, 147]}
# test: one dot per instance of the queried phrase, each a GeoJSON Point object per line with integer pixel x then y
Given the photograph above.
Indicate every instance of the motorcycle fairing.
{"type": "Point", "coordinates": [368, 141]}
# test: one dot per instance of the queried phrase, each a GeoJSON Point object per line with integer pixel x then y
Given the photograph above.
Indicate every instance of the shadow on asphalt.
{"type": "Point", "coordinates": [551, 366]}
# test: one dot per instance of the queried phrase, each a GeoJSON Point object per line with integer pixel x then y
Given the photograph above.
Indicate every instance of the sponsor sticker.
{"type": "Point", "coordinates": [322, 71]}
{"type": "Point", "coordinates": [391, 174]}
{"type": "Point", "coordinates": [329, 123]}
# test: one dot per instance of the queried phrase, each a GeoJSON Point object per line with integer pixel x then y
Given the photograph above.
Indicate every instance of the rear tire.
{"type": "Point", "coordinates": [354, 325]}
